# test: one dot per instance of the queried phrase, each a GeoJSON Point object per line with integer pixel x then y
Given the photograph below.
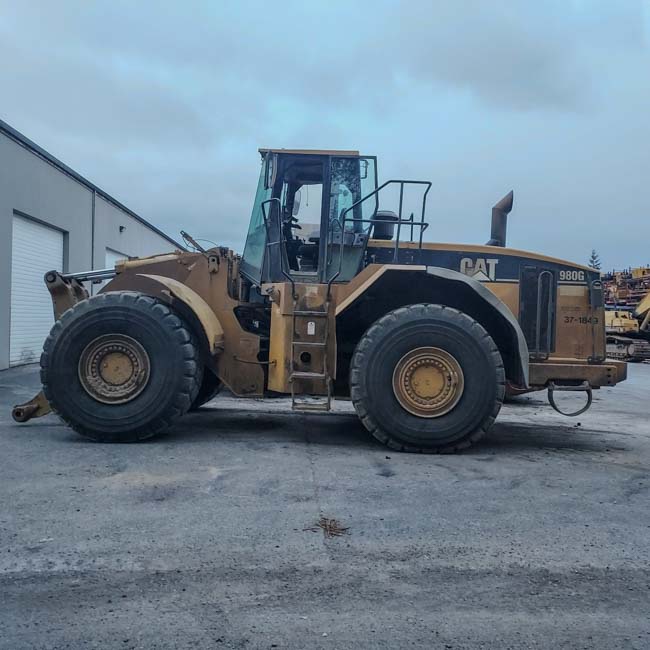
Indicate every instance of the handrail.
{"type": "Point", "coordinates": [262, 204]}
{"type": "Point", "coordinates": [549, 314]}
{"type": "Point", "coordinates": [411, 221]}
{"type": "Point", "coordinates": [266, 225]}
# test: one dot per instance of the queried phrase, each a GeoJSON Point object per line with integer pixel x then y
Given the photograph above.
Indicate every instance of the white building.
{"type": "Point", "coordinates": [53, 218]}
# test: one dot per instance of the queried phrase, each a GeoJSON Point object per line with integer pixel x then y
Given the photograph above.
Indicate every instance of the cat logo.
{"type": "Point", "coordinates": [481, 269]}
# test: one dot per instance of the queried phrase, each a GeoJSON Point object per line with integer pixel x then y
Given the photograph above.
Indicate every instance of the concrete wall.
{"type": "Point", "coordinates": [35, 188]}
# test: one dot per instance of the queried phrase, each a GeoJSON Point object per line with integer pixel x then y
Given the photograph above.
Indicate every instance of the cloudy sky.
{"type": "Point", "coordinates": [164, 105]}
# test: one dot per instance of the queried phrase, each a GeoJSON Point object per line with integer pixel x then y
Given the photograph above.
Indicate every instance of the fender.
{"type": "Point", "coordinates": [498, 306]}
{"type": "Point", "coordinates": [208, 320]}
{"type": "Point", "coordinates": [505, 321]}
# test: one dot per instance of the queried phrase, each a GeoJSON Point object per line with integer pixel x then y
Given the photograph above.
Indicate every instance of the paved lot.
{"type": "Point", "coordinates": [538, 537]}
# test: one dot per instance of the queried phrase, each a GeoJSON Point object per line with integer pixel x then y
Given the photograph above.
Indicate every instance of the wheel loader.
{"type": "Point", "coordinates": [337, 295]}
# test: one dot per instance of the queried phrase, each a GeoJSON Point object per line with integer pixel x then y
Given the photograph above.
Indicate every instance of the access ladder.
{"type": "Point", "coordinates": [306, 321]}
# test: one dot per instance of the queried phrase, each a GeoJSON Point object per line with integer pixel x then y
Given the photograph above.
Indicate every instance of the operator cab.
{"type": "Point", "coordinates": [309, 222]}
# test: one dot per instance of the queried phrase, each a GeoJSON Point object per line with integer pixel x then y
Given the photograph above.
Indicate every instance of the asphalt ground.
{"type": "Point", "coordinates": [537, 537]}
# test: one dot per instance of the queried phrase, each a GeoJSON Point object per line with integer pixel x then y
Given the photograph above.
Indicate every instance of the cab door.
{"type": "Point", "coordinates": [349, 218]}
{"type": "Point", "coordinates": [294, 219]}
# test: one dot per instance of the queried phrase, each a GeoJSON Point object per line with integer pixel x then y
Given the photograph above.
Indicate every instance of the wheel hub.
{"type": "Point", "coordinates": [114, 369]}
{"type": "Point", "coordinates": [428, 382]}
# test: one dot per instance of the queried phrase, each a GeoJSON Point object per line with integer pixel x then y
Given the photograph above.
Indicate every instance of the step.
{"type": "Point", "coordinates": [322, 314]}
{"type": "Point", "coordinates": [311, 403]}
{"type": "Point", "coordinates": [307, 375]}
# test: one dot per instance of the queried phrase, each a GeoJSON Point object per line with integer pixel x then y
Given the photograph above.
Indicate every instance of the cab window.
{"type": "Point", "coordinates": [253, 257]}
{"type": "Point", "coordinates": [351, 180]}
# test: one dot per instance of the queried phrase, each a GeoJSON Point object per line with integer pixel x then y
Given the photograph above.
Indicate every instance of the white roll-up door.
{"type": "Point", "coordinates": [110, 258]}
{"type": "Point", "coordinates": [113, 256]}
{"type": "Point", "coordinates": [35, 249]}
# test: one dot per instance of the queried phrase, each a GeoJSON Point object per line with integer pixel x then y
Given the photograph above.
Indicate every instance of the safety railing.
{"type": "Point", "coordinates": [410, 222]}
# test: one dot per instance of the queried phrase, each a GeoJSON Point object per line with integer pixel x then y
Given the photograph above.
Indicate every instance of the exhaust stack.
{"type": "Point", "coordinates": [500, 220]}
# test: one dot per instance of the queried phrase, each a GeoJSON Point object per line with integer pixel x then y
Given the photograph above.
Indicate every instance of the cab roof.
{"type": "Point", "coordinates": [312, 152]}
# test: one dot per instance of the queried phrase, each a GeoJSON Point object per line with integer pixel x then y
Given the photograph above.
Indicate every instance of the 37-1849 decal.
{"type": "Point", "coordinates": [581, 320]}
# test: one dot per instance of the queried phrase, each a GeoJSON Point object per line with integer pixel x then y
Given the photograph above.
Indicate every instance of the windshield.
{"type": "Point", "coordinates": [253, 258]}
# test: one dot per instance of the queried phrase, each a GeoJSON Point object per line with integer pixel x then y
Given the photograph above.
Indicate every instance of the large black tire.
{"type": "Point", "coordinates": [210, 387]}
{"type": "Point", "coordinates": [403, 332]}
{"type": "Point", "coordinates": [173, 378]}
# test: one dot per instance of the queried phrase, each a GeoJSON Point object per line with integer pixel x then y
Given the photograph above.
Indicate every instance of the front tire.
{"type": "Point", "coordinates": [210, 388]}
{"type": "Point", "coordinates": [427, 378]}
{"type": "Point", "coordinates": [120, 367]}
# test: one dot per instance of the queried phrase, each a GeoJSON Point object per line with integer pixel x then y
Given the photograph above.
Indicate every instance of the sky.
{"type": "Point", "coordinates": [164, 105]}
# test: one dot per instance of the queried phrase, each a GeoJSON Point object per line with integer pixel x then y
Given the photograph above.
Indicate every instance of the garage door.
{"type": "Point", "coordinates": [35, 249]}
{"type": "Point", "coordinates": [112, 256]}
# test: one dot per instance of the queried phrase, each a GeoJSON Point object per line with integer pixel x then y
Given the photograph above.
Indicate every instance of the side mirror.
{"type": "Point", "coordinates": [296, 203]}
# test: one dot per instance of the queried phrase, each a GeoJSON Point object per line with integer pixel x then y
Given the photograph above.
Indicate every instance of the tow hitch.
{"type": "Point", "coordinates": [583, 387]}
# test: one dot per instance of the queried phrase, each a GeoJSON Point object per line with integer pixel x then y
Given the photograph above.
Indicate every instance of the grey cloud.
{"type": "Point", "coordinates": [515, 54]}
{"type": "Point", "coordinates": [61, 90]}
{"type": "Point", "coordinates": [164, 105]}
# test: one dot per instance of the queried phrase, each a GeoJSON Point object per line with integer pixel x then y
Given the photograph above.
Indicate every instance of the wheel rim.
{"type": "Point", "coordinates": [428, 382]}
{"type": "Point", "coordinates": [114, 369]}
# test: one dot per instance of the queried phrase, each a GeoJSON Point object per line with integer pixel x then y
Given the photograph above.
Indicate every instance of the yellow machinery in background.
{"type": "Point", "coordinates": [628, 332]}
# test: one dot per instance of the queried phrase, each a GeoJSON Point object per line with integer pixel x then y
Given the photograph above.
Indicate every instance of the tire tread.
{"type": "Point", "coordinates": [370, 339]}
{"type": "Point", "coordinates": [189, 387]}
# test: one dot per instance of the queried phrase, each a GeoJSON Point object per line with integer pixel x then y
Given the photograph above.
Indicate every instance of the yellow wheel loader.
{"type": "Point", "coordinates": [336, 295]}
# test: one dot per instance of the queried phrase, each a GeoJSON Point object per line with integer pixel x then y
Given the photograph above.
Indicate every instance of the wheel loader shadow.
{"type": "Point", "coordinates": [259, 427]}
{"type": "Point", "coordinates": [345, 430]}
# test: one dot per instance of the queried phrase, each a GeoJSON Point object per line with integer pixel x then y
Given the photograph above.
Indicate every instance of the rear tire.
{"type": "Point", "coordinates": [120, 367]}
{"type": "Point", "coordinates": [427, 378]}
